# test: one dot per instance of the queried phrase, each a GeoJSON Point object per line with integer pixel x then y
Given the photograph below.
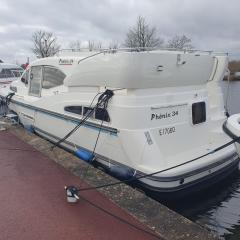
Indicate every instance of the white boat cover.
{"type": "Point", "coordinates": [142, 70]}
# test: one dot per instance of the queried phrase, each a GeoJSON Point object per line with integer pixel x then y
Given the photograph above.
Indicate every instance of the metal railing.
{"type": "Point", "coordinates": [136, 49]}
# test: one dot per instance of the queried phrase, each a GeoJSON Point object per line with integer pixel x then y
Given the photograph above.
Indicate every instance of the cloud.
{"type": "Point", "coordinates": [210, 24]}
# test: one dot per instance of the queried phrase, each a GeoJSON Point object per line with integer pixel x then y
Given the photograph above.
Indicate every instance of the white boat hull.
{"type": "Point", "coordinates": [54, 126]}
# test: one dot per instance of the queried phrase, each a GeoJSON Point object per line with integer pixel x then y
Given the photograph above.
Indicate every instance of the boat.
{"type": "Point", "coordinates": [9, 72]}
{"type": "Point", "coordinates": [232, 127]}
{"type": "Point", "coordinates": [164, 114]}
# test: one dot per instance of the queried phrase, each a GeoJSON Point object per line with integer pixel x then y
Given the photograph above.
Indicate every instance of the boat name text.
{"type": "Point", "coordinates": [164, 115]}
{"type": "Point", "coordinates": [65, 61]}
{"type": "Point", "coordinates": [167, 131]}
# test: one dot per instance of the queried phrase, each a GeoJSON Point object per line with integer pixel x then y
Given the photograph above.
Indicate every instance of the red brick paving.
{"type": "Point", "coordinates": [33, 204]}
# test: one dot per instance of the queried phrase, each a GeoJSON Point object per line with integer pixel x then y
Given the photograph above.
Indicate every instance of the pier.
{"type": "Point", "coordinates": [34, 206]}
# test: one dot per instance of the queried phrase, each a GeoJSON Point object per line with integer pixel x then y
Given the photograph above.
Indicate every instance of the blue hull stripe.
{"type": "Point", "coordinates": [88, 124]}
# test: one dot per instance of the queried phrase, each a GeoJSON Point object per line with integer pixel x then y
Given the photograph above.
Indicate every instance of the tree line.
{"type": "Point", "coordinates": [141, 36]}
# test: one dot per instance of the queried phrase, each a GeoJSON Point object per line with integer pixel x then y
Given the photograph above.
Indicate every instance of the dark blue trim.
{"type": "Point", "coordinates": [196, 185]}
{"type": "Point", "coordinates": [88, 124]}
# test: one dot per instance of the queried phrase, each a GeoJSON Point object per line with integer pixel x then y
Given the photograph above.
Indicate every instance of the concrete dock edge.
{"type": "Point", "coordinates": [168, 224]}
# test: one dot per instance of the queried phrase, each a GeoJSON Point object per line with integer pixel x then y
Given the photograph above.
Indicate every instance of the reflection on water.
{"type": "Point", "coordinates": [217, 208]}
{"type": "Point", "coordinates": [225, 215]}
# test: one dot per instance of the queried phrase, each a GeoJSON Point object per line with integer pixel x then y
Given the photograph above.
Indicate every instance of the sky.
{"type": "Point", "coordinates": [210, 24]}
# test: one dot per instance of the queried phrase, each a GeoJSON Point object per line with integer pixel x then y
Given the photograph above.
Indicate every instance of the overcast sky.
{"type": "Point", "coordinates": [211, 24]}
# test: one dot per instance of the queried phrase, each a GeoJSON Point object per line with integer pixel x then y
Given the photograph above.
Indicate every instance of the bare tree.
{"type": "Point", "coordinates": [142, 35]}
{"type": "Point", "coordinates": [45, 44]}
{"type": "Point", "coordinates": [113, 45]}
{"type": "Point", "coordinates": [180, 42]}
{"type": "Point", "coordinates": [75, 45]}
{"type": "Point", "coordinates": [91, 45]}
{"type": "Point", "coordinates": [99, 45]}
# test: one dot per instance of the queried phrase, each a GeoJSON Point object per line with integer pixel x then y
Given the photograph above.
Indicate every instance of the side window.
{"type": "Point", "coordinates": [52, 77]}
{"type": "Point", "coordinates": [2, 75]}
{"type": "Point", "coordinates": [198, 112]}
{"type": "Point", "coordinates": [74, 109]}
{"type": "Point", "coordinates": [99, 113]}
{"type": "Point", "coordinates": [16, 72]}
{"type": "Point", "coordinates": [35, 81]}
{"type": "Point", "coordinates": [87, 110]}
{"type": "Point", "coordinates": [6, 73]}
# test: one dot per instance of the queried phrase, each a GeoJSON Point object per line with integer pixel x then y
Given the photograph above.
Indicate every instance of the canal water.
{"type": "Point", "coordinates": [217, 208]}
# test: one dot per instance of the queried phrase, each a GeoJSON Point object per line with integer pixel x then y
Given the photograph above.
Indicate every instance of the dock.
{"type": "Point", "coordinates": [33, 202]}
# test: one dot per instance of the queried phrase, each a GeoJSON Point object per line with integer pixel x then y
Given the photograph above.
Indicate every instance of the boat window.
{"type": "Point", "coordinates": [6, 73]}
{"type": "Point", "coordinates": [86, 111]}
{"type": "Point", "coordinates": [52, 77]}
{"type": "Point", "coordinates": [198, 112]}
{"type": "Point", "coordinates": [25, 76]}
{"type": "Point", "coordinates": [102, 114]}
{"type": "Point", "coordinates": [35, 81]}
{"type": "Point", "coordinates": [99, 113]}
{"type": "Point", "coordinates": [16, 72]}
{"type": "Point", "coordinates": [74, 109]}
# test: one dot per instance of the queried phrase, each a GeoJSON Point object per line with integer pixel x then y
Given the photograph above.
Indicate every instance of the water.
{"type": "Point", "coordinates": [234, 95]}
{"type": "Point", "coordinates": [217, 208]}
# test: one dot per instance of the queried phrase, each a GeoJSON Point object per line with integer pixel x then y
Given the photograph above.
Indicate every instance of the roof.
{"type": "Point", "coordinates": [65, 63]}
{"type": "Point", "coordinates": [142, 70]}
{"type": "Point", "coordinates": [133, 69]}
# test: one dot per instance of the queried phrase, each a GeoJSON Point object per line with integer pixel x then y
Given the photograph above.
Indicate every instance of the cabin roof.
{"type": "Point", "coordinates": [125, 69]}
{"type": "Point", "coordinates": [65, 63]}
{"type": "Point", "coordinates": [142, 70]}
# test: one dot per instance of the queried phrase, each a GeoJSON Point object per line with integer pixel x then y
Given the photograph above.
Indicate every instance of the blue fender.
{"type": "Point", "coordinates": [84, 155]}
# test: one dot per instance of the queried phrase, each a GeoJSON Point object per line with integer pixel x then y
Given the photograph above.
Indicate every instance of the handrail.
{"type": "Point", "coordinates": [138, 49]}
